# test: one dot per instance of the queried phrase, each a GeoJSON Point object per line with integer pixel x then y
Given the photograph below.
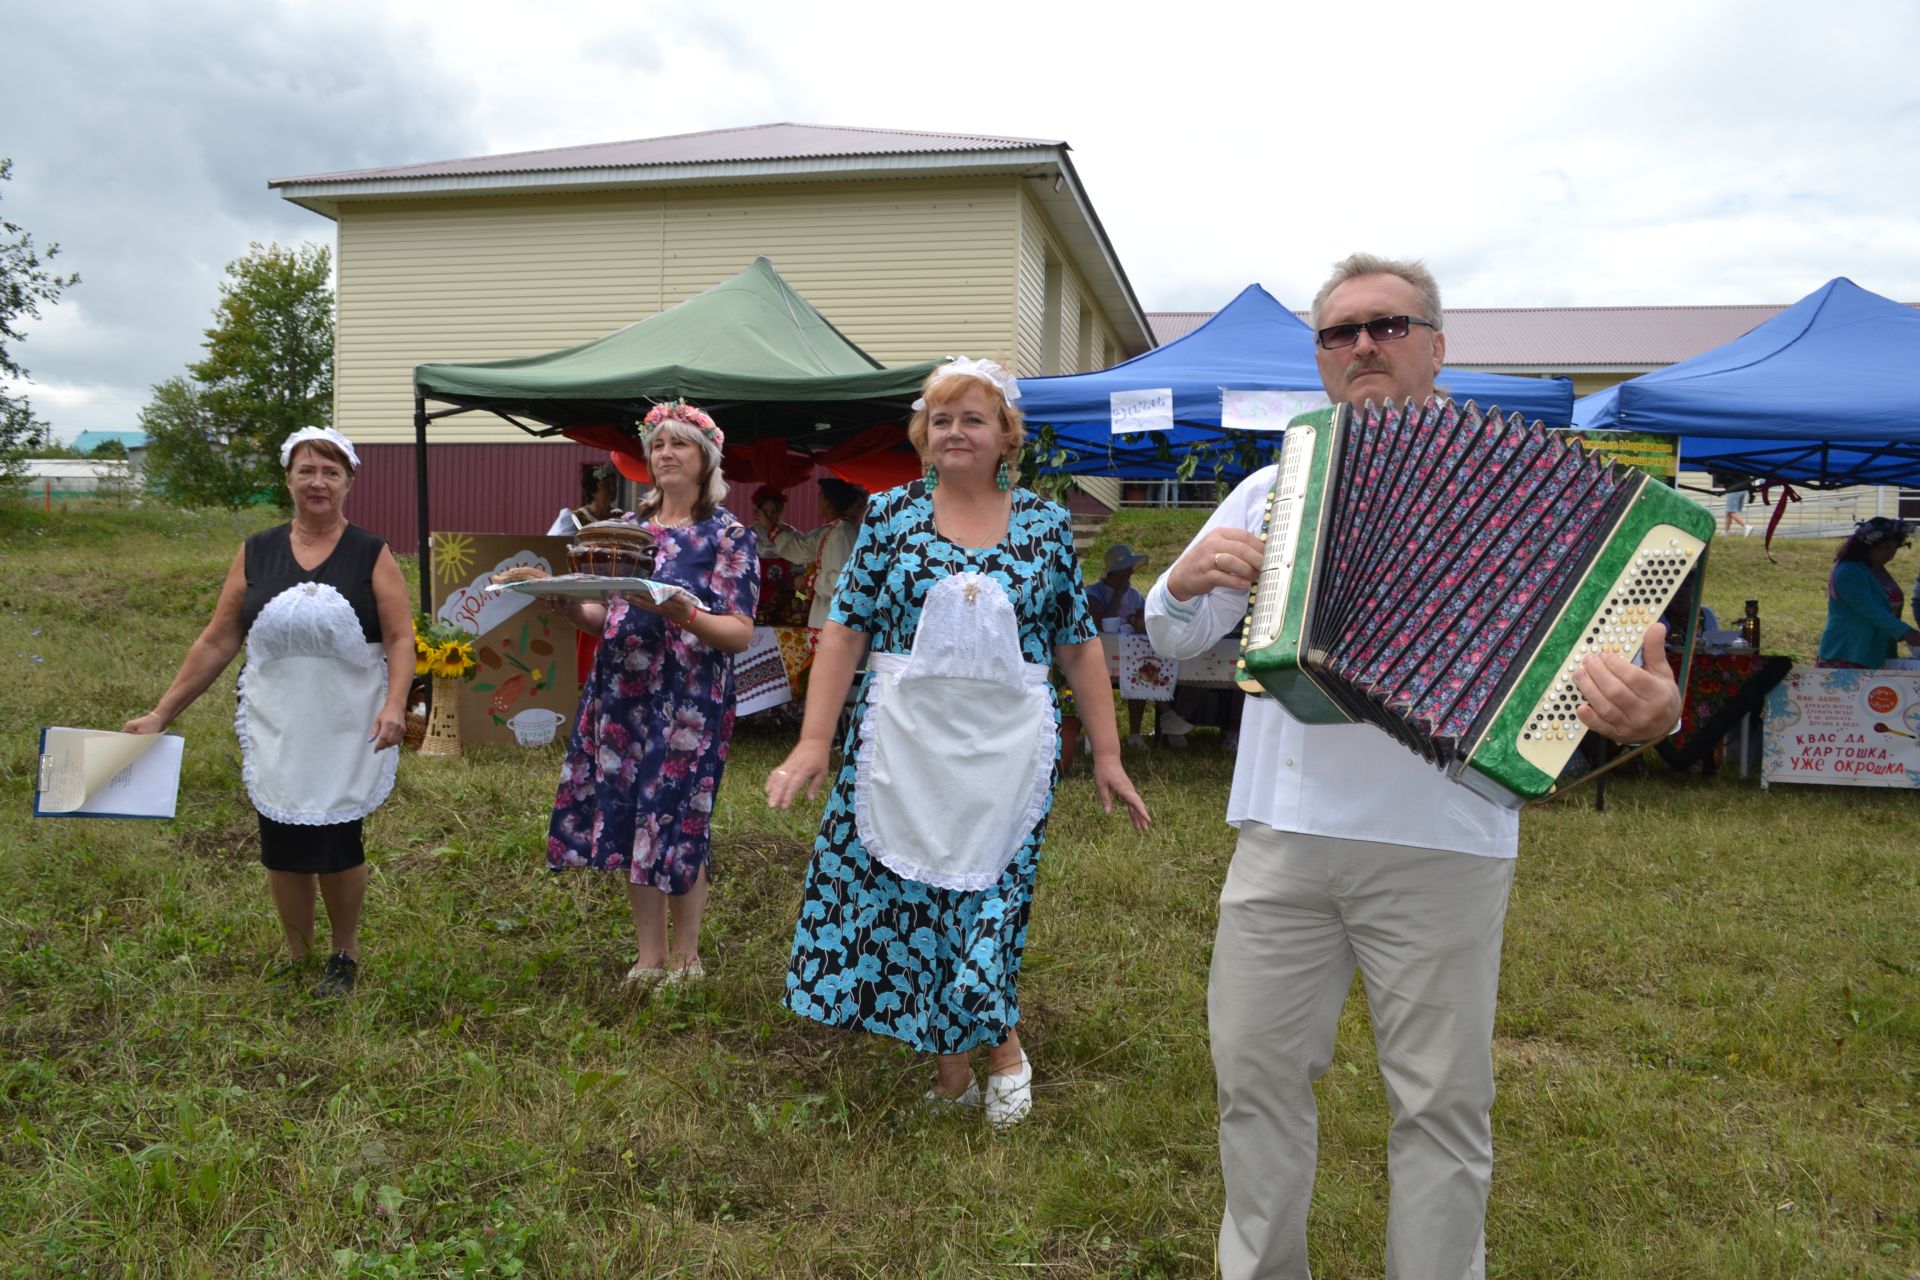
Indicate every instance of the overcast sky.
{"type": "Point", "coordinates": [1673, 152]}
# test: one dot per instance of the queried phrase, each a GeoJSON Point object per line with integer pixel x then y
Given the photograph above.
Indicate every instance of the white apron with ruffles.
{"type": "Point", "coordinates": [957, 747]}
{"type": "Point", "coordinates": [309, 694]}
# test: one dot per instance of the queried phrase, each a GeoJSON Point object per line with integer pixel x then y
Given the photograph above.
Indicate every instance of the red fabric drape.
{"type": "Point", "coordinates": [1766, 496]}
{"type": "Point", "coordinates": [874, 459]}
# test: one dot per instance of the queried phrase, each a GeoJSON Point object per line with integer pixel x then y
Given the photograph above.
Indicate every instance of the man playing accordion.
{"type": "Point", "coordinates": [1355, 854]}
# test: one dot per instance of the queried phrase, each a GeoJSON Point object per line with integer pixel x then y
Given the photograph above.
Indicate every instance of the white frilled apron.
{"type": "Point", "coordinates": [308, 697]}
{"type": "Point", "coordinates": [958, 742]}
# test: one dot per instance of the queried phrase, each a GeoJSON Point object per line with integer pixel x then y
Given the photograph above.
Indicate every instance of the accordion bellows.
{"type": "Point", "coordinates": [1441, 573]}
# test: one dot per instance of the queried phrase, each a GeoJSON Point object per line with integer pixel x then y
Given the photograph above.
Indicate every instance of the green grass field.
{"type": "Point", "coordinates": [1708, 1046]}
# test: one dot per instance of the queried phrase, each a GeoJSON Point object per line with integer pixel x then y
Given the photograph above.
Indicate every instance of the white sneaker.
{"type": "Point", "coordinates": [1137, 742]}
{"type": "Point", "coordinates": [1178, 741]}
{"type": "Point", "coordinates": [1010, 1098]}
{"type": "Point", "coordinates": [1172, 722]}
{"type": "Point", "coordinates": [967, 1097]}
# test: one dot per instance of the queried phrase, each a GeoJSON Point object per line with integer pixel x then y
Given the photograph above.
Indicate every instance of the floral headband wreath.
{"type": "Point", "coordinates": [1871, 533]}
{"type": "Point", "coordinates": [328, 434]}
{"type": "Point", "coordinates": [681, 411]}
{"type": "Point", "coordinates": [986, 370]}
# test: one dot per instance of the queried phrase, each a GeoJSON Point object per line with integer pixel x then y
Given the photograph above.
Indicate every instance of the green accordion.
{"type": "Point", "coordinates": [1441, 573]}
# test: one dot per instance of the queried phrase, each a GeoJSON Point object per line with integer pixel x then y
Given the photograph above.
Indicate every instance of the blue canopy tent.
{"type": "Point", "coordinates": [1825, 394]}
{"type": "Point", "coordinates": [1252, 344]}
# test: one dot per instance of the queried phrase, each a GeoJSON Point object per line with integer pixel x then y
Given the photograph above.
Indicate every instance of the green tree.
{"type": "Point", "coordinates": [26, 281]}
{"type": "Point", "coordinates": [267, 373]}
{"type": "Point", "coordinates": [194, 459]}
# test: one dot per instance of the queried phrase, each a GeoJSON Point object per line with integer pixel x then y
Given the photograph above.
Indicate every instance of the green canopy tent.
{"type": "Point", "coordinates": [751, 350]}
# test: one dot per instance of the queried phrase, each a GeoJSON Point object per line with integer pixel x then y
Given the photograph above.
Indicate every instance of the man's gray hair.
{"type": "Point", "coordinates": [1412, 270]}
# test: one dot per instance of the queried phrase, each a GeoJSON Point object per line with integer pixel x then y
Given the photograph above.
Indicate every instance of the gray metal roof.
{"type": "Point", "coordinates": [783, 152]}
{"type": "Point", "coordinates": [1561, 339]}
{"type": "Point", "coordinates": [783, 141]}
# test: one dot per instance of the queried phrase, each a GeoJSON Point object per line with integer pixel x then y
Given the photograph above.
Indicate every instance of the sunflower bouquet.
{"type": "Point", "coordinates": [442, 650]}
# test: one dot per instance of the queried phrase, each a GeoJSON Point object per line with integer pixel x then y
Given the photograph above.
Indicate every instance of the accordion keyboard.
{"type": "Point", "coordinates": [1652, 578]}
{"type": "Point", "coordinates": [1284, 509]}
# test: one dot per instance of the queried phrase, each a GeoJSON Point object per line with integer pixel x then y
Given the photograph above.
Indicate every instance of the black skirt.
{"type": "Point", "coordinates": [313, 851]}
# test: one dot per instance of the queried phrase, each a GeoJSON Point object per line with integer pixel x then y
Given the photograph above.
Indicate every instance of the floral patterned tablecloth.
{"type": "Point", "coordinates": [1721, 689]}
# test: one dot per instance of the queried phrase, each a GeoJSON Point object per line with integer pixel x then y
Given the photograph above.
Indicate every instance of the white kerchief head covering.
{"type": "Point", "coordinates": [985, 370]}
{"type": "Point", "coordinates": [328, 434]}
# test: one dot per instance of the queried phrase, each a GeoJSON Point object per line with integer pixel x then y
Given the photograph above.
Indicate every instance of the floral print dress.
{"type": "Point", "coordinates": [643, 765]}
{"type": "Point", "coordinates": [933, 967]}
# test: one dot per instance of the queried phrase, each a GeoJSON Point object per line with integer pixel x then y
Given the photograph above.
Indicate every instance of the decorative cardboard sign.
{"type": "Point", "coordinates": [527, 689]}
{"type": "Point", "coordinates": [1844, 728]}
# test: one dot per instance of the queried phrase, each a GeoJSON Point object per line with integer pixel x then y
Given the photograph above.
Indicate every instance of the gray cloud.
{"type": "Point", "coordinates": [1739, 151]}
{"type": "Point", "coordinates": [143, 139]}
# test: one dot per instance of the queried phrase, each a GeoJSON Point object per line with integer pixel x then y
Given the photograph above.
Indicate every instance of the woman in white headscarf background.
{"type": "Point", "coordinates": [961, 590]}
{"type": "Point", "coordinates": [321, 607]}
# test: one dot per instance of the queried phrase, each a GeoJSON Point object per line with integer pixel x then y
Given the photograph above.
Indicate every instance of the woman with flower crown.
{"type": "Point", "coordinates": [321, 607]}
{"type": "Point", "coordinates": [961, 592]}
{"type": "Point", "coordinates": [650, 742]}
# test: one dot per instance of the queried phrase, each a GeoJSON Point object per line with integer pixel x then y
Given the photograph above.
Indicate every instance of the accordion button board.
{"type": "Point", "coordinates": [1441, 573]}
{"type": "Point", "coordinates": [1658, 567]}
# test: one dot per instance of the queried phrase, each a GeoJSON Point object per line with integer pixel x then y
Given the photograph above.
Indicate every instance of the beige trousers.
{"type": "Point", "coordinates": [1297, 915]}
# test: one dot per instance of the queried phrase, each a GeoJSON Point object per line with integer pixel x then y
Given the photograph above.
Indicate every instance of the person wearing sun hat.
{"type": "Point", "coordinates": [321, 608]}
{"type": "Point", "coordinates": [1864, 603]}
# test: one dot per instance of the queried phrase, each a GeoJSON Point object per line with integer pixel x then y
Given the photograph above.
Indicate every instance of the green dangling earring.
{"type": "Point", "coordinates": [1003, 477]}
{"type": "Point", "coordinates": [932, 478]}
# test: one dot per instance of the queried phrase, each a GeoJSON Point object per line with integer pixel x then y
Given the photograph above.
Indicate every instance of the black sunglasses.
{"type": "Point", "coordinates": [1385, 329]}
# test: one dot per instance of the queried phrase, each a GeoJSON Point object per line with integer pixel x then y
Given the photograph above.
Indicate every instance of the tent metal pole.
{"type": "Point", "coordinates": [425, 551]}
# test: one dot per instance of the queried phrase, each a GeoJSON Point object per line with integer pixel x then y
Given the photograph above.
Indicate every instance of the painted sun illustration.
{"type": "Point", "coordinates": [452, 556]}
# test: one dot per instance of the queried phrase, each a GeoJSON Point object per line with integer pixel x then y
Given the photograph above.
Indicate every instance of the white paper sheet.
{"type": "Point", "coordinates": [1265, 410]}
{"type": "Point", "coordinates": [1146, 410]}
{"type": "Point", "coordinates": [96, 773]}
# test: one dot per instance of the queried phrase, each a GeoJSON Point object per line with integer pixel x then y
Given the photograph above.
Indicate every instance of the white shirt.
{"type": "Point", "coordinates": [831, 544]}
{"type": "Point", "coordinates": [1347, 781]}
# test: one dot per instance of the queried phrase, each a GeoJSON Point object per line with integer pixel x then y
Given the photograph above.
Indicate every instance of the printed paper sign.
{"type": "Point", "coordinates": [1844, 728]}
{"type": "Point", "coordinates": [1657, 455]}
{"type": "Point", "coordinates": [1265, 410]}
{"type": "Point", "coordinates": [96, 773]}
{"type": "Point", "coordinates": [1144, 673]}
{"type": "Point", "coordinates": [1133, 411]}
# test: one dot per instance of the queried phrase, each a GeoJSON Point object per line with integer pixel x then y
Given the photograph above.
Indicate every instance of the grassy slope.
{"type": "Point", "coordinates": [1707, 1039]}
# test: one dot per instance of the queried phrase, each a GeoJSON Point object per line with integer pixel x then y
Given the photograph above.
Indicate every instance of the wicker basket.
{"type": "Point", "coordinates": [443, 720]}
{"type": "Point", "coordinates": [416, 730]}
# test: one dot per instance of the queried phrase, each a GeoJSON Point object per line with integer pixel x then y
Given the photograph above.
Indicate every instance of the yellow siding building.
{"type": "Point", "coordinates": [914, 245]}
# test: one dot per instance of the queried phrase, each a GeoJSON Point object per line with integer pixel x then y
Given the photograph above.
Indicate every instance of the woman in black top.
{"type": "Point", "coordinates": [322, 608]}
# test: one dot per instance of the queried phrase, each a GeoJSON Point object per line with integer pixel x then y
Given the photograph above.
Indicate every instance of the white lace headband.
{"type": "Point", "coordinates": [328, 434]}
{"type": "Point", "coordinates": [986, 370]}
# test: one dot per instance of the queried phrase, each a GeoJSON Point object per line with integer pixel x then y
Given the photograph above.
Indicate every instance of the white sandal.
{"type": "Point", "coordinates": [1010, 1097]}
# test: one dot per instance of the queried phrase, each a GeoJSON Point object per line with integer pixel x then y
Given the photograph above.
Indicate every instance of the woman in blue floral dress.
{"type": "Point", "coordinates": [961, 591]}
{"type": "Point", "coordinates": [644, 763]}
